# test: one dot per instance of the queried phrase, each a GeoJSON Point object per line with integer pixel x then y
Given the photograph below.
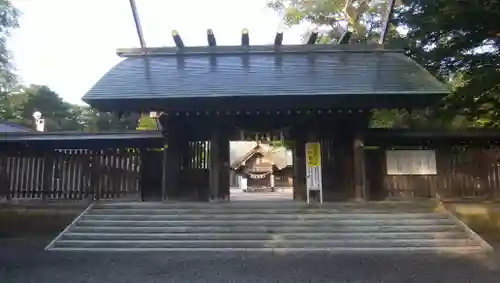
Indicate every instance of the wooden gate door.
{"type": "Point", "coordinates": [152, 175]}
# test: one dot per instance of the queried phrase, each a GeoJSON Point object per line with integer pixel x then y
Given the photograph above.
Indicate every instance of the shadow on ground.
{"type": "Point", "coordinates": [23, 260]}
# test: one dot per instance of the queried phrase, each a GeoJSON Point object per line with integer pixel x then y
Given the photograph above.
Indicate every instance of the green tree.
{"type": "Point", "coordinates": [362, 16]}
{"type": "Point", "coordinates": [8, 22]}
{"type": "Point", "coordinates": [59, 115]}
{"type": "Point", "coordinates": [459, 41]}
{"type": "Point", "coordinates": [18, 107]}
{"type": "Point", "coordinates": [364, 20]}
{"type": "Point", "coordinates": [95, 121]}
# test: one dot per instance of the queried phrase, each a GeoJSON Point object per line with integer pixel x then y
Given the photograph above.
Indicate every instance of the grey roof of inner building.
{"type": "Point", "coordinates": [280, 155]}
{"type": "Point", "coordinates": [83, 136]}
{"type": "Point", "coordinates": [264, 71]}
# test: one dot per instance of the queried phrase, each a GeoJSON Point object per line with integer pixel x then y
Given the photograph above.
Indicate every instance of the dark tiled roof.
{"type": "Point", "coordinates": [79, 140]}
{"type": "Point", "coordinates": [53, 136]}
{"type": "Point", "coordinates": [264, 72]}
{"type": "Point", "coordinates": [6, 127]}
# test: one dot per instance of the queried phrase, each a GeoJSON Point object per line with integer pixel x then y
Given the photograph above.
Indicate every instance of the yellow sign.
{"type": "Point", "coordinates": [313, 154]}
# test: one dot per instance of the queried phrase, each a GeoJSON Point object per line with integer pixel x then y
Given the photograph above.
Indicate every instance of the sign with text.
{"type": "Point", "coordinates": [313, 169]}
{"type": "Point", "coordinates": [313, 154]}
{"type": "Point", "coordinates": [411, 162]}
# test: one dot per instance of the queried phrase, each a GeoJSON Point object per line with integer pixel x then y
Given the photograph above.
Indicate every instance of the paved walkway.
{"type": "Point", "coordinates": [24, 261]}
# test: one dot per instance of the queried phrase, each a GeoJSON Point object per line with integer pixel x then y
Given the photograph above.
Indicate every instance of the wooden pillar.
{"type": "Point", "coordinates": [360, 191]}
{"type": "Point", "coordinates": [163, 171]}
{"type": "Point", "coordinates": [172, 159]}
{"type": "Point", "coordinates": [184, 190]}
{"type": "Point", "coordinates": [214, 167]}
{"type": "Point", "coordinates": [299, 166]}
{"type": "Point", "coordinates": [224, 184]}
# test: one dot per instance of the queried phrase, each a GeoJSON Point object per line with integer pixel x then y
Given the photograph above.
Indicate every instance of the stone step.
{"type": "Point", "coordinates": [409, 206]}
{"type": "Point", "coordinates": [267, 222]}
{"type": "Point", "coordinates": [269, 226]}
{"type": "Point", "coordinates": [256, 215]}
{"type": "Point", "coordinates": [265, 229]}
{"type": "Point", "coordinates": [262, 236]}
{"type": "Point", "coordinates": [272, 211]}
{"type": "Point", "coordinates": [250, 244]}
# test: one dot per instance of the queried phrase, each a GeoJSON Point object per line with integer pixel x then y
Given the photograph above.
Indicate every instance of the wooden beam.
{"type": "Point", "coordinates": [138, 26]}
{"type": "Point", "coordinates": [386, 21]}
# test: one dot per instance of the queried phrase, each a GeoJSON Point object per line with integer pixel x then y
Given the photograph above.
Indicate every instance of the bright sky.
{"type": "Point", "coordinates": [69, 44]}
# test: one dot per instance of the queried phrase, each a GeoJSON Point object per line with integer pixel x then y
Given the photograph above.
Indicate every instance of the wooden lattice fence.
{"type": "Point", "coordinates": [69, 174]}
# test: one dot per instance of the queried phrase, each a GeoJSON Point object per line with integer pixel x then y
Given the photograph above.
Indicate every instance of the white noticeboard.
{"type": "Point", "coordinates": [313, 170]}
{"type": "Point", "coordinates": [243, 183]}
{"type": "Point", "coordinates": [411, 162]}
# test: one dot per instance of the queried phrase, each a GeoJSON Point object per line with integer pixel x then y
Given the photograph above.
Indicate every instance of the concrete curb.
{"type": "Point", "coordinates": [51, 244]}
{"type": "Point", "coordinates": [339, 250]}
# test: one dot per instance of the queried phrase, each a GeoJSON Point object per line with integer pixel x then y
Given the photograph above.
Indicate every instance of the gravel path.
{"type": "Point", "coordinates": [285, 194]}
{"type": "Point", "coordinates": [24, 261]}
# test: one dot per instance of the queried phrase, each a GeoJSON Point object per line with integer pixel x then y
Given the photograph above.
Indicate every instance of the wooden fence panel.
{"type": "Point", "coordinates": [23, 176]}
{"type": "Point", "coordinates": [69, 174]}
{"type": "Point", "coordinates": [462, 173]}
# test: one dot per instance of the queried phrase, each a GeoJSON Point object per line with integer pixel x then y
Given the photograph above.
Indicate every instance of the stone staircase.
{"type": "Point", "coordinates": [266, 226]}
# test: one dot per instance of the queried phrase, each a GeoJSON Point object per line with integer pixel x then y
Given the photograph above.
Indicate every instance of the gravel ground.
{"type": "Point", "coordinates": [285, 194]}
{"type": "Point", "coordinates": [25, 261]}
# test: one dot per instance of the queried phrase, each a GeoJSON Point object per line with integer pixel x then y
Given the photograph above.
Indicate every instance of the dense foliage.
{"type": "Point", "coordinates": [457, 41]}
{"type": "Point", "coordinates": [18, 107]}
{"type": "Point", "coordinates": [8, 21]}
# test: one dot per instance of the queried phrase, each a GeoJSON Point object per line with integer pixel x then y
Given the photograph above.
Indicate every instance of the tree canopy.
{"type": "Point", "coordinates": [457, 41]}
{"type": "Point", "coordinates": [8, 22]}
{"type": "Point", "coordinates": [18, 106]}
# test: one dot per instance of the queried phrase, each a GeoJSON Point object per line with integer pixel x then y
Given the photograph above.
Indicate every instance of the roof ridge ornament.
{"type": "Point", "coordinates": [245, 37]}
{"type": "Point", "coordinates": [211, 38]}
{"type": "Point", "coordinates": [177, 39]}
{"type": "Point", "coordinates": [313, 37]}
